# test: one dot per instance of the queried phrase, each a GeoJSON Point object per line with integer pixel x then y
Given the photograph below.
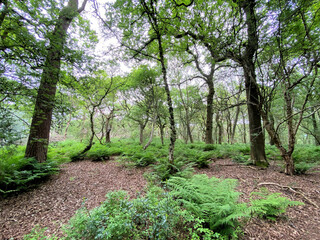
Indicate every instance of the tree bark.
{"type": "Point", "coordinates": [37, 145]}
{"type": "Point", "coordinates": [38, 140]}
{"type": "Point", "coordinates": [142, 126]}
{"type": "Point", "coordinates": [151, 134]}
{"type": "Point", "coordinates": [188, 117]}
{"type": "Point", "coordinates": [315, 128]}
{"type": "Point", "coordinates": [220, 129]}
{"type": "Point", "coordinates": [209, 121]}
{"type": "Point", "coordinates": [257, 150]}
{"type": "Point", "coordinates": [235, 125]}
{"type": "Point", "coordinates": [161, 127]}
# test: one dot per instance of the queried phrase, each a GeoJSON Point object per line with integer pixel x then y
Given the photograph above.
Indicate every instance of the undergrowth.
{"type": "Point", "coordinates": [23, 174]}
{"type": "Point", "coordinates": [195, 208]}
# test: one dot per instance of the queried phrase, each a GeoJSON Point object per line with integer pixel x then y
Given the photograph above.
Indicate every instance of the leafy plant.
{"type": "Point", "coordinates": [209, 147]}
{"type": "Point", "coordinates": [26, 175]}
{"type": "Point", "coordinates": [38, 233]}
{"type": "Point", "coordinates": [242, 159]}
{"type": "Point", "coordinates": [210, 199]}
{"type": "Point", "coordinates": [155, 216]}
{"type": "Point", "coordinates": [270, 206]}
{"type": "Point", "coordinates": [303, 167]}
{"type": "Point", "coordinates": [163, 169]}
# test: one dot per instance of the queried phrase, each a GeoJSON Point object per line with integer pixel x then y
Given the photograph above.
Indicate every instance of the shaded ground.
{"type": "Point", "coordinates": [53, 203]}
{"type": "Point", "coordinates": [301, 222]}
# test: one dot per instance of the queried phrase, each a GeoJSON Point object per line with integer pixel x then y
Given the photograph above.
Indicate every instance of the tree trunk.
{"type": "Point", "coordinates": [272, 123]}
{"type": "Point", "coordinates": [141, 128]}
{"type": "Point", "coordinates": [220, 129]}
{"type": "Point", "coordinates": [108, 129]}
{"type": "Point", "coordinates": [189, 132]}
{"type": "Point", "coordinates": [186, 109]}
{"type": "Point", "coordinates": [209, 121]}
{"type": "Point", "coordinates": [161, 134]}
{"type": "Point", "coordinates": [235, 125]}
{"type": "Point", "coordinates": [37, 145]}
{"type": "Point", "coordinates": [161, 128]}
{"type": "Point", "coordinates": [67, 127]}
{"type": "Point", "coordinates": [315, 128]}
{"type": "Point", "coordinates": [257, 143]}
{"type": "Point", "coordinates": [229, 126]}
{"type": "Point", "coordinates": [108, 136]}
{"type": "Point", "coordinates": [151, 134]}
{"type": "Point", "coordinates": [244, 127]}
{"type": "Point", "coordinates": [173, 134]}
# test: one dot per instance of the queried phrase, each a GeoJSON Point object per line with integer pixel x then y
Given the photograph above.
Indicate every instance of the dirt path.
{"type": "Point", "coordinates": [54, 202]}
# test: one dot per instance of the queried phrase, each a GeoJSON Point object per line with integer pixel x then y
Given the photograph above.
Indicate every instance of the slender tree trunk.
{"type": "Point", "coordinates": [141, 128]}
{"type": "Point", "coordinates": [151, 134]}
{"type": "Point", "coordinates": [257, 142]}
{"type": "Point", "coordinates": [209, 121]}
{"type": "Point", "coordinates": [220, 129]}
{"type": "Point", "coordinates": [88, 147]}
{"type": "Point", "coordinates": [67, 127]}
{"type": "Point", "coordinates": [291, 134]}
{"type": "Point", "coordinates": [108, 135]}
{"type": "Point", "coordinates": [37, 145]}
{"type": "Point", "coordinates": [161, 128]}
{"type": "Point", "coordinates": [108, 128]}
{"type": "Point", "coordinates": [229, 126]}
{"type": "Point", "coordinates": [244, 127]}
{"type": "Point", "coordinates": [271, 122]}
{"type": "Point", "coordinates": [186, 109]}
{"type": "Point", "coordinates": [173, 133]}
{"type": "Point", "coordinates": [189, 131]}
{"type": "Point", "coordinates": [315, 128]}
{"type": "Point", "coordinates": [235, 125]}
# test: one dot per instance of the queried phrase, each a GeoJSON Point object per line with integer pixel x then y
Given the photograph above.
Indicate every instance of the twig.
{"type": "Point", "coordinates": [292, 190]}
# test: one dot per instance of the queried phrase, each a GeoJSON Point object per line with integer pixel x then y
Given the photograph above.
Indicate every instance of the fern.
{"type": "Point", "coordinates": [270, 206]}
{"type": "Point", "coordinates": [26, 176]}
{"type": "Point", "coordinates": [210, 199]}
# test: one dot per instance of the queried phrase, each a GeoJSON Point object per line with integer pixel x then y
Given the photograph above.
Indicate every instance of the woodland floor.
{"type": "Point", "coordinates": [55, 201]}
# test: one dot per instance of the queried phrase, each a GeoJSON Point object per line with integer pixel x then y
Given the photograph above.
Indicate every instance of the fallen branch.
{"type": "Point", "coordinates": [292, 190]}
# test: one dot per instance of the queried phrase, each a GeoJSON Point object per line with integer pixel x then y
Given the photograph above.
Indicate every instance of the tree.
{"type": "Point", "coordinates": [245, 57]}
{"type": "Point", "coordinates": [96, 88]}
{"type": "Point", "coordinates": [200, 32]}
{"type": "Point", "coordinates": [38, 140]}
{"type": "Point", "coordinates": [292, 71]}
{"type": "Point", "coordinates": [142, 96]}
{"type": "Point", "coordinates": [152, 17]}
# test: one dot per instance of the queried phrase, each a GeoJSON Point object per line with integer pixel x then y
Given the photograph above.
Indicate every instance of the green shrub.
{"type": "Point", "coordinates": [155, 216]}
{"type": "Point", "coordinates": [270, 206]}
{"type": "Point", "coordinates": [38, 233]}
{"type": "Point", "coordinates": [163, 170]}
{"type": "Point", "coordinates": [29, 173]}
{"type": "Point", "coordinates": [209, 147]}
{"type": "Point", "coordinates": [203, 160]}
{"type": "Point", "coordinates": [210, 199]}
{"type": "Point", "coordinates": [303, 167]}
{"type": "Point", "coordinates": [307, 154]}
{"type": "Point", "coordinates": [242, 159]}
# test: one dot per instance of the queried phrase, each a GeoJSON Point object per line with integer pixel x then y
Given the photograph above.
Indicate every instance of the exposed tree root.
{"type": "Point", "coordinates": [292, 189]}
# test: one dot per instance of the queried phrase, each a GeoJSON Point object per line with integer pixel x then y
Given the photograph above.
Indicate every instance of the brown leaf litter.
{"type": "Point", "coordinates": [55, 202]}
